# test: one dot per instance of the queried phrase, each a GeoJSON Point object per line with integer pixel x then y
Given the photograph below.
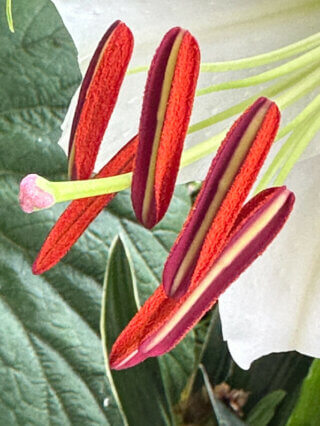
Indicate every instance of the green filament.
{"type": "Point", "coordinates": [302, 88]}
{"type": "Point", "coordinates": [137, 70]}
{"type": "Point", "coordinates": [265, 58]}
{"type": "Point", "coordinates": [304, 136]}
{"type": "Point", "coordinates": [300, 62]}
{"type": "Point", "coordinates": [254, 61]}
{"type": "Point", "coordinates": [309, 110]}
{"type": "Point", "coordinates": [65, 191]}
{"type": "Point", "coordinates": [271, 91]}
{"type": "Point", "coordinates": [294, 146]}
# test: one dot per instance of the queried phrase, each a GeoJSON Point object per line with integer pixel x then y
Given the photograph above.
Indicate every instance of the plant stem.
{"type": "Point", "coordinates": [9, 15]}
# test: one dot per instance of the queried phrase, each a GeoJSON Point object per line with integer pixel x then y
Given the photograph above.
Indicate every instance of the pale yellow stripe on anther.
{"type": "Point", "coordinates": [124, 361]}
{"type": "Point", "coordinates": [223, 187]}
{"type": "Point", "coordinates": [223, 261]}
{"type": "Point", "coordinates": [71, 158]}
{"type": "Point", "coordinates": [72, 152]}
{"type": "Point", "coordinates": [165, 92]}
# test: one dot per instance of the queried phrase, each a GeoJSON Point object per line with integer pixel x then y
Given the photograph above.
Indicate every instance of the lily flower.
{"type": "Point", "coordinates": [217, 242]}
{"type": "Point", "coordinates": [280, 313]}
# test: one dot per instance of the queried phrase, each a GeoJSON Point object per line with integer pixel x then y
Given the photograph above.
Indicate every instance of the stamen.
{"type": "Point", "coordinates": [227, 185]}
{"type": "Point", "coordinates": [163, 322]}
{"type": "Point", "coordinates": [309, 110]}
{"type": "Point", "coordinates": [80, 213]}
{"type": "Point", "coordinates": [97, 98]}
{"type": "Point", "coordinates": [264, 58]}
{"type": "Point", "coordinates": [164, 122]}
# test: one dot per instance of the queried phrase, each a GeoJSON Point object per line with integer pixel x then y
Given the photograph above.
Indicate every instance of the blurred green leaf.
{"type": "Point", "coordinates": [273, 372]}
{"type": "Point", "coordinates": [264, 410]}
{"type": "Point", "coordinates": [216, 357]}
{"type": "Point", "coordinates": [307, 410]}
{"type": "Point", "coordinates": [284, 371]}
{"type": "Point", "coordinates": [139, 390]}
{"type": "Point", "coordinates": [224, 416]}
{"type": "Point", "coordinates": [176, 366]}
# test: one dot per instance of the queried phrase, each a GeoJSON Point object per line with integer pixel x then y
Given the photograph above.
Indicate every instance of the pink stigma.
{"type": "Point", "coordinates": [31, 197]}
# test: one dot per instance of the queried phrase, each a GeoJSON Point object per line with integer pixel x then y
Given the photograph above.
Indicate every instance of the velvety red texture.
{"type": "Point", "coordinates": [98, 96]}
{"type": "Point", "coordinates": [159, 308]}
{"type": "Point", "coordinates": [230, 207]}
{"type": "Point", "coordinates": [174, 128]}
{"type": "Point", "coordinates": [148, 120]}
{"type": "Point", "coordinates": [80, 213]}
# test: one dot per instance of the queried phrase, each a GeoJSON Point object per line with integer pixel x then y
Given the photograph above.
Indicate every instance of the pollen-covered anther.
{"type": "Point", "coordinates": [98, 95]}
{"type": "Point", "coordinates": [166, 111]}
{"type": "Point", "coordinates": [163, 322]}
{"type": "Point", "coordinates": [80, 213]}
{"type": "Point", "coordinates": [228, 182]}
{"type": "Point", "coordinates": [34, 194]}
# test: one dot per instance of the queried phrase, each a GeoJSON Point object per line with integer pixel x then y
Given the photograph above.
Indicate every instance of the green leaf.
{"type": "Point", "coordinates": [276, 371]}
{"type": "Point", "coordinates": [224, 416]}
{"type": "Point", "coordinates": [270, 373]}
{"type": "Point", "coordinates": [51, 360]}
{"type": "Point", "coordinates": [176, 366]}
{"type": "Point", "coordinates": [307, 410]}
{"type": "Point", "coordinates": [264, 410]}
{"type": "Point", "coordinates": [139, 390]}
{"type": "Point", "coordinates": [216, 357]}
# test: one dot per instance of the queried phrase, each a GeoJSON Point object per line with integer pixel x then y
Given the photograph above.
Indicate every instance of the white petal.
{"type": "Point", "coordinates": [274, 306]}
{"type": "Point", "coordinates": [225, 30]}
